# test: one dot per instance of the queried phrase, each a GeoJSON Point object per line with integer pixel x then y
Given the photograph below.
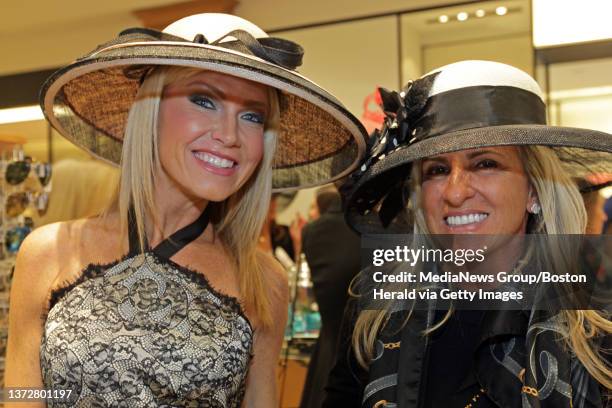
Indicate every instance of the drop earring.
{"type": "Point", "coordinates": [535, 208]}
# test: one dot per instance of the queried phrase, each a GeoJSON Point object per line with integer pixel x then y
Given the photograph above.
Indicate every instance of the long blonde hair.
{"type": "Point", "coordinates": [237, 220]}
{"type": "Point", "coordinates": [562, 212]}
{"type": "Point", "coordinates": [81, 189]}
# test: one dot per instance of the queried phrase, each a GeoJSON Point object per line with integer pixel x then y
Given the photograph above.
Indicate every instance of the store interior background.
{"type": "Point", "coordinates": [349, 50]}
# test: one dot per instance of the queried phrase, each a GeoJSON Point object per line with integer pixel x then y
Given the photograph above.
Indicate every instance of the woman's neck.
{"type": "Point", "coordinates": [174, 210]}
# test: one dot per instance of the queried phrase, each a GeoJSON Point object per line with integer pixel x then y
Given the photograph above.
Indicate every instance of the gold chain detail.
{"type": "Point", "coordinates": [380, 404]}
{"type": "Point", "coordinates": [475, 398]}
{"type": "Point", "coordinates": [392, 346]}
{"type": "Point", "coordinates": [530, 391]}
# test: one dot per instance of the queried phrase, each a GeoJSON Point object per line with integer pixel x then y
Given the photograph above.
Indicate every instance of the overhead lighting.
{"type": "Point", "coordinates": [567, 22]}
{"type": "Point", "coordinates": [501, 11]}
{"type": "Point", "coordinates": [463, 16]}
{"type": "Point", "coordinates": [21, 114]}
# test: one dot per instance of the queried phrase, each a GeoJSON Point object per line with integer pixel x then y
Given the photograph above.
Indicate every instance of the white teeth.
{"type": "Point", "coordinates": [214, 160]}
{"type": "Point", "coordinates": [466, 219]}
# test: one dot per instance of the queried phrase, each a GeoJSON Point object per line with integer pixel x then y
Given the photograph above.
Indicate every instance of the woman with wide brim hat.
{"type": "Point", "coordinates": [166, 301]}
{"type": "Point", "coordinates": [465, 152]}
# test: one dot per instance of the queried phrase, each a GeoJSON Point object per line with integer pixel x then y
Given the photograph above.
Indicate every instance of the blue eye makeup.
{"type": "Point", "coordinates": [253, 117]}
{"type": "Point", "coordinates": [202, 101]}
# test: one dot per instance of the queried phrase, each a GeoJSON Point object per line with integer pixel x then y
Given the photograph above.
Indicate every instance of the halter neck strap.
{"type": "Point", "coordinates": [175, 242]}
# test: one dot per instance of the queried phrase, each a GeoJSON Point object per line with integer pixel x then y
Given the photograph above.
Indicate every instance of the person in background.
{"type": "Point", "coordinates": [332, 252]}
{"type": "Point", "coordinates": [81, 188]}
{"type": "Point", "coordinates": [594, 203]}
{"type": "Point", "coordinates": [277, 236]}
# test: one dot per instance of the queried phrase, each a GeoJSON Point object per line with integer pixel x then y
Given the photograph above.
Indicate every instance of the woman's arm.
{"type": "Point", "coordinates": [35, 271]}
{"type": "Point", "coordinates": [261, 381]}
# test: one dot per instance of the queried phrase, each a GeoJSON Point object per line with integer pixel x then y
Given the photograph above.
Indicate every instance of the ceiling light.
{"type": "Point", "coordinates": [443, 18]}
{"type": "Point", "coordinates": [21, 114]}
{"type": "Point", "coordinates": [462, 16]}
{"type": "Point", "coordinates": [566, 22]}
{"type": "Point", "coordinates": [501, 11]}
{"type": "Point", "coordinates": [480, 13]}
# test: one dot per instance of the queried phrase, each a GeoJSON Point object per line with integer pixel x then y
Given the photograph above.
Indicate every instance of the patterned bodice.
{"type": "Point", "coordinates": [145, 332]}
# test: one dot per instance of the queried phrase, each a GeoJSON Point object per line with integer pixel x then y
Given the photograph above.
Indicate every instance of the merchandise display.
{"type": "Point", "coordinates": [303, 318]}
{"type": "Point", "coordinates": [303, 322]}
{"type": "Point", "coordinates": [24, 190]}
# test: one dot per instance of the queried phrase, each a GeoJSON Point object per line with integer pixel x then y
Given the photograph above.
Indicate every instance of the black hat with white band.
{"type": "Point", "coordinates": [465, 105]}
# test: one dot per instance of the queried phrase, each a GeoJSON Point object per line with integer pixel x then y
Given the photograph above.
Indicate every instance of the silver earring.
{"type": "Point", "coordinates": [535, 208]}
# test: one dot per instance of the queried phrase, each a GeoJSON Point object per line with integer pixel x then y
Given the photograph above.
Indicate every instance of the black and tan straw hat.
{"type": "Point", "coordinates": [465, 105]}
{"type": "Point", "coordinates": [88, 101]}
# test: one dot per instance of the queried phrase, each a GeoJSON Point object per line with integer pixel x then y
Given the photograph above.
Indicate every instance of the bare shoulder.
{"type": "Point", "coordinates": [55, 249]}
{"type": "Point", "coordinates": [43, 244]}
{"type": "Point", "coordinates": [50, 240]}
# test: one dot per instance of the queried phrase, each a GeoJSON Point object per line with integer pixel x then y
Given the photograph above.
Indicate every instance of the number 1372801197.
{"type": "Point", "coordinates": [33, 394]}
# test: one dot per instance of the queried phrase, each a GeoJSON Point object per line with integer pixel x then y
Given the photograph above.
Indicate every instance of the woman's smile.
{"type": "Point", "coordinates": [467, 219]}
{"type": "Point", "coordinates": [216, 164]}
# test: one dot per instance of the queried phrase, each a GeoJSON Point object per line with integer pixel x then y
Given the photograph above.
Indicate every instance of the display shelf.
{"type": "Point", "coordinates": [23, 182]}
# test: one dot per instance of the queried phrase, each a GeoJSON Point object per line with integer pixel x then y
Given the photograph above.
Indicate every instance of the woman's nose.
{"type": "Point", "coordinates": [226, 131]}
{"type": "Point", "coordinates": [458, 187]}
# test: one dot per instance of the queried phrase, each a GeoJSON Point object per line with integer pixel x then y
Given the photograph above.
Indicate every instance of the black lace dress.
{"type": "Point", "coordinates": [146, 332]}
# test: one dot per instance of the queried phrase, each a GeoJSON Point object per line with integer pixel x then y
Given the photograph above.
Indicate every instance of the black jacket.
{"type": "Point", "coordinates": [501, 365]}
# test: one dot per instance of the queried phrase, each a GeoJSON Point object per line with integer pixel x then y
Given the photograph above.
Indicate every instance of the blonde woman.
{"type": "Point", "coordinates": [165, 300]}
{"type": "Point", "coordinates": [472, 140]}
{"type": "Point", "coordinates": [81, 188]}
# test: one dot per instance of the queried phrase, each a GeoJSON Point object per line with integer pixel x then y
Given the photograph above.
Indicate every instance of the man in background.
{"type": "Point", "coordinates": [332, 253]}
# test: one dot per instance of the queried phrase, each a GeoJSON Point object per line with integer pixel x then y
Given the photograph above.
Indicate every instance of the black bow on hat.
{"type": "Point", "coordinates": [279, 51]}
{"type": "Point", "coordinates": [400, 128]}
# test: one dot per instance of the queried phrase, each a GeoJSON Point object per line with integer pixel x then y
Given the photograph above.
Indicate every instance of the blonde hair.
{"type": "Point", "coordinates": [562, 212]}
{"type": "Point", "coordinates": [237, 220]}
{"type": "Point", "coordinates": [81, 189]}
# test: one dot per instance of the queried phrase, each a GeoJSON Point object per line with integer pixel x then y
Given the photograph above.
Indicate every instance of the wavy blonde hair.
{"type": "Point", "coordinates": [562, 212]}
{"type": "Point", "coordinates": [237, 221]}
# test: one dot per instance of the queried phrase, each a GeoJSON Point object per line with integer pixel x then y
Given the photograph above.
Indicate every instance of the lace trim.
{"type": "Point", "coordinates": [94, 270]}
{"type": "Point", "coordinates": [91, 271]}
{"type": "Point", "coordinates": [199, 278]}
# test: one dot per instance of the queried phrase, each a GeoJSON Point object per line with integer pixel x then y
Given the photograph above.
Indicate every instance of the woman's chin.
{"type": "Point", "coordinates": [208, 191]}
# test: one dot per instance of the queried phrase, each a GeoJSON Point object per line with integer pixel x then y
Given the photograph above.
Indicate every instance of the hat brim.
{"type": "Point", "coordinates": [89, 100]}
{"type": "Point", "coordinates": [582, 151]}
